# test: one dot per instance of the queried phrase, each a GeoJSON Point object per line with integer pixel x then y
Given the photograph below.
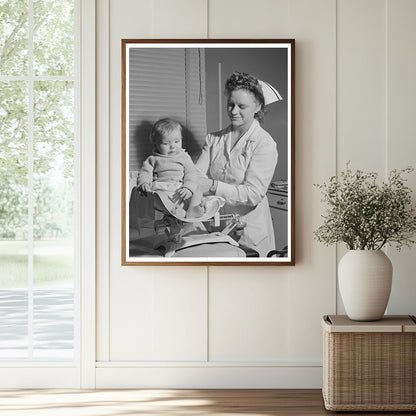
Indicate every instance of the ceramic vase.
{"type": "Point", "coordinates": [364, 278]}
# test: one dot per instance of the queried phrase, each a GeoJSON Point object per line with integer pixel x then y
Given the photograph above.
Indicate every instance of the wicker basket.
{"type": "Point", "coordinates": [369, 366]}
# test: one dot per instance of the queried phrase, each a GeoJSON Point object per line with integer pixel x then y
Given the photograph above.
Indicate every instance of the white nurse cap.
{"type": "Point", "coordinates": [270, 93]}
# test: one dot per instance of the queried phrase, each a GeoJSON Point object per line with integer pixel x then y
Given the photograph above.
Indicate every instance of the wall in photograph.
{"type": "Point", "coordinates": [229, 327]}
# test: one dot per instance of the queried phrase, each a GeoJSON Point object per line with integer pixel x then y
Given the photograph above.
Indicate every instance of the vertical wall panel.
{"type": "Point", "coordinates": [401, 144]}
{"type": "Point", "coordinates": [180, 19]}
{"type": "Point", "coordinates": [313, 25]}
{"type": "Point", "coordinates": [180, 307]}
{"type": "Point", "coordinates": [361, 89]}
{"type": "Point", "coordinates": [159, 316]}
{"type": "Point", "coordinates": [102, 178]}
{"type": "Point", "coordinates": [361, 84]}
{"type": "Point", "coordinates": [247, 20]}
{"type": "Point", "coordinates": [248, 315]}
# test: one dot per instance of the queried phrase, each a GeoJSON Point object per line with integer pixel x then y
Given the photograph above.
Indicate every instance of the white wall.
{"type": "Point", "coordinates": [255, 326]}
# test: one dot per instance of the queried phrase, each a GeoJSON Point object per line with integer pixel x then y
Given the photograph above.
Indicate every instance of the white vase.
{"type": "Point", "coordinates": [364, 278]}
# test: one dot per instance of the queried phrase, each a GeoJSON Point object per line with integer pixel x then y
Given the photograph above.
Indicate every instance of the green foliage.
{"type": "Point", "coordinates": [366, 215]}
{"type": "Point", "coordinates": [13, 159]}
{"type": "Point", "coordinates": [53, 37]}
{"type": "Point", "coordinates": [54, 126]}
{"type": "Point", "coordinates": [53, 208]}
{"type": "Point", "coordinates": [13, 37]}
{"type": "Point", "coordinates": [13, 129]}
{"type": "Point", "coordinates": [13, 208]}
{"type": "Point", "coordinates": [53, 119]}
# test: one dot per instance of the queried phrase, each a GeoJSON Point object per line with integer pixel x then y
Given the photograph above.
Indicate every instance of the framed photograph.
{"type": "Point", "coordinates": [208, 135]}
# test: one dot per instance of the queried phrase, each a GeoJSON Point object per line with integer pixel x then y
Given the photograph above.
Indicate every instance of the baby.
{"type": "Point", "coordinates": [171, 169]}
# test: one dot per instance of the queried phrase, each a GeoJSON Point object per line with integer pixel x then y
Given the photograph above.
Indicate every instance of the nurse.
{"type": "Point", "coordinates": [238, 162]}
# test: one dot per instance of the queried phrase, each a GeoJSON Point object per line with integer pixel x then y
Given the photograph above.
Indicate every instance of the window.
{"type": "Point", "coordinates": [38, 185]}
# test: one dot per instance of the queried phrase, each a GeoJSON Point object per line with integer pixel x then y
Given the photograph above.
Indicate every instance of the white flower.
{"type": "Point", "coordinates": [366, 215]}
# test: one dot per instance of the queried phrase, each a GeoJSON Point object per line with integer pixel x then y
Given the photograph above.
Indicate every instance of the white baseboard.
{"type": "Point", "coordinates": [169, 375]}
{"type": "Point", "coordinates": [39, 378]}
{"type": "Point", "coordinates": [209, 377]}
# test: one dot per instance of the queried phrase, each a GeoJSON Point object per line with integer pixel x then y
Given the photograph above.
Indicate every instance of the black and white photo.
{"type": "Point", "coordinates": [208, 152]}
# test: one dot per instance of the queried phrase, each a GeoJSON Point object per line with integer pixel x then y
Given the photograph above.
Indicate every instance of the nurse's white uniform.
{"type": "Point", "coordinates": [244, 173]}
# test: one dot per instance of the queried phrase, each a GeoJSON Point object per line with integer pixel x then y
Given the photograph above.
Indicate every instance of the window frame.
{"type": "Point", "coordinates": [81, 371]}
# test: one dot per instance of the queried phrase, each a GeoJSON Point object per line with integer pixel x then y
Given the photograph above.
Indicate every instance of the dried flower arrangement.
{"type": "Point", "coordinates": [366, 215]}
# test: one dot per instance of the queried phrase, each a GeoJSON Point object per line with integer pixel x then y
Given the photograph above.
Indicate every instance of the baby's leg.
{"type": "Point", "coordinates": [196, 208]}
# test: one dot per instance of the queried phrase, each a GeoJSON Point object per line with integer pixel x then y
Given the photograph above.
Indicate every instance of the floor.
{"type": "Point", "coordinates": [166, 402]}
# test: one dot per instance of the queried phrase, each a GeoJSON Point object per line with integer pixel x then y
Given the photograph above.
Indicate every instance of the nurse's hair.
{"type": "Point", "coordinates": [245, 81]}
{"type": "Point", "coordinates": [163, 128]}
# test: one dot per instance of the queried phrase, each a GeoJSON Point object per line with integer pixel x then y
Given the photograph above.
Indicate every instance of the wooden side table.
{"type": "Point", "coordinates": [369, 366]}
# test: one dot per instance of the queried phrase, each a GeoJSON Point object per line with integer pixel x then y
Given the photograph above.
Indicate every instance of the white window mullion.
{"type": "Point", "coordinates": [30, 179]}
{"type": "Point", "coordinates": [87, 193]}
{"type": "Point", "coordinates": [77, 177]}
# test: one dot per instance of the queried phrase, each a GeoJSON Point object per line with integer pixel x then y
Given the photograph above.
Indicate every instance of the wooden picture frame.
{"type": "Point", "coordinates": [184, 81]}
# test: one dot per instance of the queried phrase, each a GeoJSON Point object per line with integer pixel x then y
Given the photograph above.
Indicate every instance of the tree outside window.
{"type": "Point", "coordinates": [37, 125]}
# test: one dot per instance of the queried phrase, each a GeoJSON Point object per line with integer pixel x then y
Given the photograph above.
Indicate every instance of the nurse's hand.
{"type": "Point", "coordinates": [238, 231]}
{"type": "Point", "coordinates": [205, 185]}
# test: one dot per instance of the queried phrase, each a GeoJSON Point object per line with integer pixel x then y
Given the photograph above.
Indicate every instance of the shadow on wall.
{"type": "Point", "coordinates": [191, 144]}
{"type": "Point", "coordinates": [143, 146]}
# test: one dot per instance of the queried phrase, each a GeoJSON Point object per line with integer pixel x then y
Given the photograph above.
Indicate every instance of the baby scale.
{"type": "Point", "coordinates": [178, 228]}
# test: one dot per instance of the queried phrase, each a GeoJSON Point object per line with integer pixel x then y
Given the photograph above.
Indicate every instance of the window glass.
{"type": "Point", "coordinates": [37, 182]}
{"type": "Point", "coordinates": [53, 322]}
{"type": "Point", "coordinates": [53, 196]}
{"type": "Point", "coordinates": [53, 37]}
{"type": "Point", "coordinates": [14, 321]}
{"type": "Point", "coordinates": [13, 219]}
{"type": "Point", "coordinates": [13, 37]}
{"type": "Point", "coordinates": [53, 177]}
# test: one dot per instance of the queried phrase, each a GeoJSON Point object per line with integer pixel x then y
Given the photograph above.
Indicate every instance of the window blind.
{"type": "Point", "coordinates": [165, 82]}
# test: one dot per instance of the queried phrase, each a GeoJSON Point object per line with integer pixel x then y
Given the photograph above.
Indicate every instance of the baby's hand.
{"type": "Point", "coordinates": [144, 188]}
{"type": "Point", "coordinates": [184, 193]}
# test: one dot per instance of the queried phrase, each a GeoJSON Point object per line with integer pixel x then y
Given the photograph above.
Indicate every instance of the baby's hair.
{"type": "Point", "coordinates": [243, 80]}
{"type": "Point", "coordinates": [162, 128]}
